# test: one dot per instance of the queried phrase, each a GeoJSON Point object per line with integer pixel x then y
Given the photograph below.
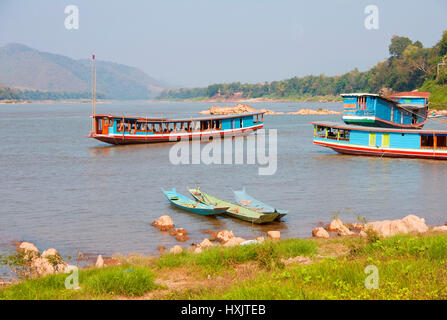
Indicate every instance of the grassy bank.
{"type": "Point", "coordinates": [409, 267]}
{"type": "Point", "coordinates": [438, 94]}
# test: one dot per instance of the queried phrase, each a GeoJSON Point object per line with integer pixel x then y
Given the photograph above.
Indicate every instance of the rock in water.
{"type": "Point", "coordinates": [337, 225]}
{"type": "Point", "coordinates": [274, 235]}
{"type": "Point", "coordinates": [29, 250]}
{"type": "Point", "coordinates": [320, 233]}
{"type": "Point", "coordinates": [224, 235]}
{"type": "Point", "coordinates": [99, 262]}
{"type": "Point", "coordinates": [48, 263]}
{"type": "Point", "coordinates": [164, 223]}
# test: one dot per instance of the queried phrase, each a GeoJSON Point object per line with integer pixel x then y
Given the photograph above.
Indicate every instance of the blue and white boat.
{"type": "Point", "coordinates": [185, 203]}
{"type": "Point", "coordinates": [406, 110]}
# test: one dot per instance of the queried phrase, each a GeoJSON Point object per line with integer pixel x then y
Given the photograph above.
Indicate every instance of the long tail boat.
{"type": "Point", "coordinates": [405, 110]}
{"type": "Point", "coordinates": [381, 142]}
{"type": "Point", "coordinates": [234, 210]}
{"type": "Point", "coordinates": [131, 130]}
{"type": "Point", "coordinates": [245, 200]}
{"type": "Point", "coordinates": [184, 203]}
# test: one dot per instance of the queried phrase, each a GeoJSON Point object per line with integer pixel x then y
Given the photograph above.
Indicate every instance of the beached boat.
{"type": "Point", "coordinates": [245, 200]}
{"type": "Point", "coordinates": [234, 210]}
{"type": "Point", "coordinates": [381, 142]}
{"type": "Point", "coordinates": [131, 130]}
{"type": "Point", "coordinates": [185, 203]}
{"type": "Point", "coordinates": [405, 110]}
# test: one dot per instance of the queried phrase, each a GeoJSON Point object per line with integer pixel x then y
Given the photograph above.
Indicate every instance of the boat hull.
{"type": "Point", "coordinates": [139, 139]}
{"type": "Point", "coordinates": [383, 152]}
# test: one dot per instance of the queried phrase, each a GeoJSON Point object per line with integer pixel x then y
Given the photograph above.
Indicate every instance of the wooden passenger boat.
{"type": "Point", "coordinates": [131, 130]}
{"type": "Point", "coordinates": [245, 200]}
{"type": "Point", "coordinates": [381, 142]}
{"type": "Point", "coordinates": [234, 210]}
{"type": "Point", "coordinates": [405, 110]}
{"type": "Point", "coordinates": [185, 203]}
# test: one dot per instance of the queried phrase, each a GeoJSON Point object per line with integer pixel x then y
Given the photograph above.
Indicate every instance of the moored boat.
{"type": "Point", "coordinates": [405, 110]}
{"type": "Point", "coordinates": [234, 210]}
{"type": "Point", "coordinates": [132, 130]}
{"type": "Point", "coordinates": [185, 203]}
{"type": "Point", "coordinates": [381, 142]}
{"type": "Point", "coordinates": [245, 200]}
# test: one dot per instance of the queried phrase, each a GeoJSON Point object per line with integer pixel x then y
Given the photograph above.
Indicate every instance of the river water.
{"type": "Point", "coordinates": [59, 189]}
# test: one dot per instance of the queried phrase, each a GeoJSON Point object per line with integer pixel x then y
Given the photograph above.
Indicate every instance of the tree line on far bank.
{"type": "Point", "coordinates": [7, 93]}
{"type": "Point", "coordinates": [409, 67]}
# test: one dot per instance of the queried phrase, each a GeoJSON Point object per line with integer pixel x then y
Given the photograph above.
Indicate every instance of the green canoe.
{"type": "Point", "coordinates": [234, 210]}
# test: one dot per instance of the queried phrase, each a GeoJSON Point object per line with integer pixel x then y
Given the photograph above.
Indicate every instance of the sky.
{"type": "Point", "coordinates": [192, 43]}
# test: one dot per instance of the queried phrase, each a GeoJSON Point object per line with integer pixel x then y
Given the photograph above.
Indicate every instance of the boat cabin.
{"type": "Point", "coordinates": [108, 128]}
{"type": "Point", "coordinates": [402, 110]}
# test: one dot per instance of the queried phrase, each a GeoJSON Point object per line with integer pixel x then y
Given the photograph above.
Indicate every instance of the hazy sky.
{"type": "Point", "coordinates": [199, 42]}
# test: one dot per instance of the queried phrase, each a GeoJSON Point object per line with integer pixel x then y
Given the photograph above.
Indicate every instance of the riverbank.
{"type": "Point", "coordinates": [408, 266]}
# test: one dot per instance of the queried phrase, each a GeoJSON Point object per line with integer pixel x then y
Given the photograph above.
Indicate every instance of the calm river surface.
{"type": "Point", "coordinates": [59, 189]}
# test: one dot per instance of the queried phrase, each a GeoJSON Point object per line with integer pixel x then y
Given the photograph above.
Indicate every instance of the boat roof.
{"type": "Point", "coordinates": [210, 117]}
{"type": "Point", "coordinates": [410, 94]}
{"type": "Point", "coordinates": [378, 129]}
{"type": "Point", "coordinates": [367, 95]}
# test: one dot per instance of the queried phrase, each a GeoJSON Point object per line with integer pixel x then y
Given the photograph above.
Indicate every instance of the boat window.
{"type": "Point", "coordinates": [344, 134]}
{"type": "Point", "coordinates": [320, 131]}
{"type": "Point", "coordinates": [427, 141]}
{"type": "Point", "coordinates": [441, 141]}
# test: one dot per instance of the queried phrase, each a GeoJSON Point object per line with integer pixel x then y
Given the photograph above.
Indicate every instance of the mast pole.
{"type": "Point", "coordinates": [93, 102]}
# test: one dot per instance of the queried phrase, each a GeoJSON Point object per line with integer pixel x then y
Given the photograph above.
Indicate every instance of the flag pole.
{"type": "Point", "coordinates": [93, 99]}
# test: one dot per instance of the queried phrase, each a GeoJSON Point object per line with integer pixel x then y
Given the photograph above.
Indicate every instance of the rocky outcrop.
{"type": "Point", "coordinates": [180, 234]}
{"type": "Point", "coordinates": [306, 112]}
{"type": "Point", "coordinates": [409, 224]}
{"type": "Point", "coordinates": [206, 243]}
{"type": "Point", "coordinates": [337, 225]}
{"type": "Point", "coordinates": [320, 232]}
{"type": "Point", "coordinates": [164, 223]}
{"type": "Point", "coordinates": [48, 262]}
{"type": "Point", "coordinates": [239, 108]}
{"type": "Point", "coordinates": [274, 235]}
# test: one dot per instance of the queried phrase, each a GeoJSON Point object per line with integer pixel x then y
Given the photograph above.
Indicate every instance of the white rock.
{"type": "Point", "coordinates": [409, 224]}
{"type": "Point", "coordinates": [99, 262]}
{"type": "Point", "coordinates": [176, 249]}
{"type": "Point", "coordinates": [206, 243]}
{"type": "Point", "coordinates": [260, 239]}
{"type": "Point", "coordinates": [337, 225]}
{"type": "Point", "coordinates": [29, 250]}
{"type": "Point", "coordinates": [198, 250]}
{"type": "Point", "coordinates": [440, 229]}
{"type": "Point", "coordinates": [50, 252]}
{"type": "Point", "coordinates": [320, 233]}
{"type": "Point", "coordinates": [234, 242]}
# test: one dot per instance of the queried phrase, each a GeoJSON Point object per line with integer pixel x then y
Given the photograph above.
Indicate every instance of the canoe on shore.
{"type": "Point", "coordinates": [185, 203]}
{"type": "Point", "coordinates": [234, 210]}
{"type": "Point", "coordinates": [245, 200]}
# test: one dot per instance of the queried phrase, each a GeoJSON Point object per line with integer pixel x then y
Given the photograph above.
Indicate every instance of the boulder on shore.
{"type": "Point", "coordinates": [439, 229]}
{"type": "Point", "coordinates": [206, 243]}
{"type": "Point", "coordinates": [176, 249]}
{"type": "Point", "coordinates": [99, 262]}
{"type": "Point", "coordinates": [409, 224]}
{"type": "Point", "coordinates": [274, 235]}
{"type": "Point", "coordinates": [29, 250]}
{"type": "Point", "coordinates": [320, 233]}
{"type": "Point", "coordinates": [164, 223]}
{"type": "Point", "coordinates": [235, 241]}
{"type": "Point", "coordinates": [224, 236]}
{"type": "Point", "coordinates": [337, 225]}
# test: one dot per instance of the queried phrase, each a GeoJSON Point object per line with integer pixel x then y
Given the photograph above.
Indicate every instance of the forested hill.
{"type": "Point", "coordinates": [27, 72]}
{"type": "Point", "coordinates": [409, 67]}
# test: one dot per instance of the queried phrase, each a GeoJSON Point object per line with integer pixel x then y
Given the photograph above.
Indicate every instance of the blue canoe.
{"type": "Point", "coordinates": [185, 203]}
{"type": "Point", "coordinates": [248, 201]}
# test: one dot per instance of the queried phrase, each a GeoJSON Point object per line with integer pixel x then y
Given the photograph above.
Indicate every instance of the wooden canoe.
{"type": "Point", "coordinates": [245, 200]}
{"type": "Point", "coordinates": [234, 210]}
{"type": "Point", "coordinates": [187, 204]}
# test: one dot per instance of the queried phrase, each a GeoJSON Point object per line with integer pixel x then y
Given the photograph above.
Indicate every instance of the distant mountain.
{"type": "Point", "coordinates": [26, 68]}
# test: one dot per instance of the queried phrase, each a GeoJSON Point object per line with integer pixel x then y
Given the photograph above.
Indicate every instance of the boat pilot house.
{"type": "Point", "coordinates": [125, 130]}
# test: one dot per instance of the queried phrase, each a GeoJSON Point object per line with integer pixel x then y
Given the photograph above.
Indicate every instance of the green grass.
{"type": "Point", "coordinates": [101, 283]}
{"type": "Point", "coordinates": [216, 259]}
{"type": "Point", "coordinates": [410, 267]}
